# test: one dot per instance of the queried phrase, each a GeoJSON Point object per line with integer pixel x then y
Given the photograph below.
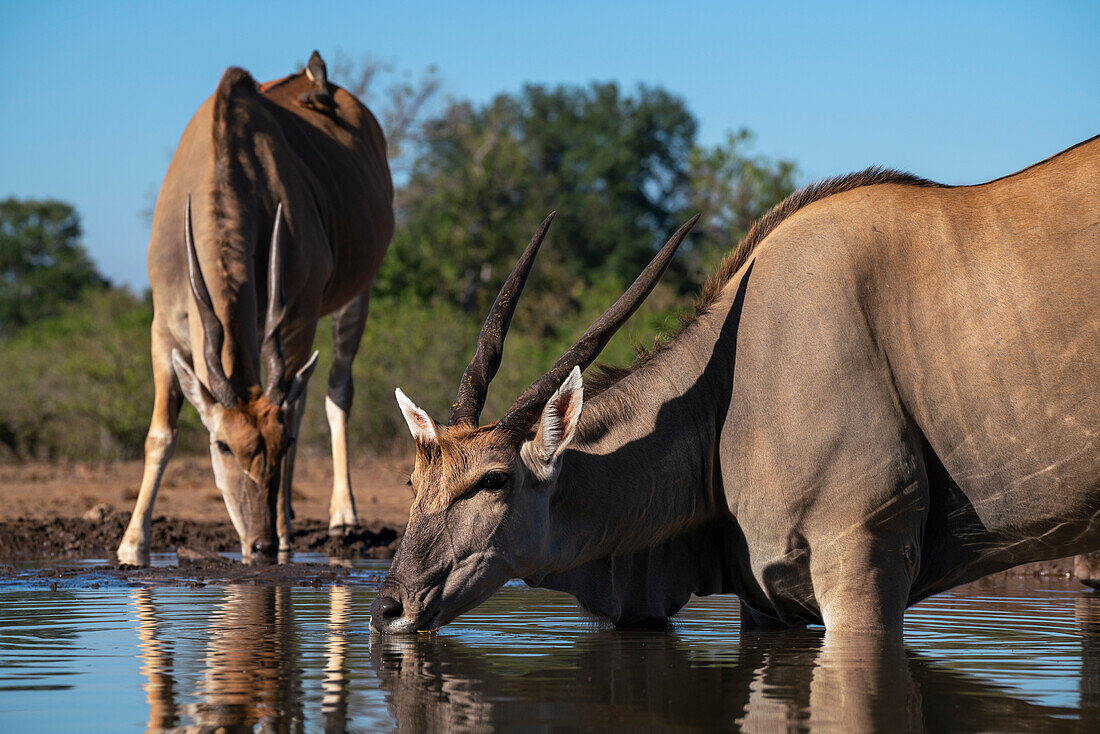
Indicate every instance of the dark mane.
{"type": "Point", "coordinates": [605, 375]}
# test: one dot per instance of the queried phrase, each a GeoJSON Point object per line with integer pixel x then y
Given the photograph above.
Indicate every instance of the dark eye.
{"type": "Point", "coordinates": [493, 480]}
{"type": "Point", "coordinates": [223, 447]}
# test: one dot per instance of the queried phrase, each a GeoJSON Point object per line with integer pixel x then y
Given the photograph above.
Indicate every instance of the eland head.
{"type": "Point", "coordinates": [249, 432]}
{"type": "Point", "coordinates": [483, 493]}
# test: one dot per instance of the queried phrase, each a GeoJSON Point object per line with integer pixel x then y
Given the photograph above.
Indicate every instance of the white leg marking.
{"type": "Point", "coordinates": [342, 506]}
{"type": "Point", "coordinates": [134, 548]}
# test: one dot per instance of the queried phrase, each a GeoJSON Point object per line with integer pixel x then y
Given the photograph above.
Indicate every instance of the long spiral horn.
{"type": "Point", "coordinates": [213, 333]}
{"type": "Point", "coordinates": [271, 349]}
{"type": "Point", "coordinates": [470, 399]}
{"type": "Point", "coordinates": [525, 411]}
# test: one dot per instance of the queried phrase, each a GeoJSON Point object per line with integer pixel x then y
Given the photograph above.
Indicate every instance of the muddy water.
{"type": "Point", "coordinates": [1018, 655]}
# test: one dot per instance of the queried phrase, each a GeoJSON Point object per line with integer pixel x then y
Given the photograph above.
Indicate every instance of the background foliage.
{"type": "Point", "coordinates": [622, 168]}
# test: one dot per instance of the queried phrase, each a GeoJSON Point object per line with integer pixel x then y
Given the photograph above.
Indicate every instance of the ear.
{"type": "Point", "coordinates": [195, 392]}
{"type": "Point", "coordinates": [556, 427]}
{"type": "Point", "coordinates": [420, 423]}
{"type": "Point", "coordinates": [300, 381]}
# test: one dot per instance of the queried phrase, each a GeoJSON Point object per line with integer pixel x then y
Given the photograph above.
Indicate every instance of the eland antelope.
{"type": "Point", "coordinates": [293, 212]}
{"type": "Point", "coordinates": [889, 387]}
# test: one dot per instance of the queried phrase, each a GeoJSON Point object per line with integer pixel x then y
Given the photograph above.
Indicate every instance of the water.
{"type": "Point", "coordinates": [1019, 655]}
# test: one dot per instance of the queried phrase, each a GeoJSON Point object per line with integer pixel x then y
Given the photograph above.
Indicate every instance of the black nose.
{"type": "Point", "coordinates": [385, 607]}
{"type": "Point", "coordinates": [263, 548]}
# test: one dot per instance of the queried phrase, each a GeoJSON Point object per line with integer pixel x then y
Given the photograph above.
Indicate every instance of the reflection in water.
{"type": "Point", "coordinates": [267, 660]}
{"type": "Point", "coordinates": [334, 704]}
{"type": "Point", "coordinates": [156, 658]}
{"type": "Point", "coordinates": [781, 681]}
{"type": "Point", "coordinates": [250, 678]}
{"type": "Point", "coordinates": [1087, 611]}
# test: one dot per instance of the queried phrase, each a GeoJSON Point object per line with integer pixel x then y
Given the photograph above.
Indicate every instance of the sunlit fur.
{"type": "Point", "coordinates": [256, 433]}
{"type": "Point", "coordinates": [893, 393]}
{"type": "Point", "coordinates": [247, 151]}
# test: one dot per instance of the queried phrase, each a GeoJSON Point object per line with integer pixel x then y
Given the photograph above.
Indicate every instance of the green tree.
{"type": "Point", "coordinates": [614, 166]}
{"type": "Point", "coordinates": [622, 170]}
{"type": "Point", "coordinates": [42, 264]}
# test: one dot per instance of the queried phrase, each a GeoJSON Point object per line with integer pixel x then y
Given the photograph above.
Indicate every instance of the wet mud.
{"type": "Point", "coordinates": [191, 574]}
{"type": "Point", "coordinates": [97, 534]}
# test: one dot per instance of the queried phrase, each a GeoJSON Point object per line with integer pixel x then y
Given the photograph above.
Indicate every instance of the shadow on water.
{"type": "Point", "coordinates": [281, 659]}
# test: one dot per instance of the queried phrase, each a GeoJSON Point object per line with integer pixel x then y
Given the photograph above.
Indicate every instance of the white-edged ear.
{"type": "Point", "coordinates": [420, 423]}
{"type": "Point", "coordinates": [301, 381]}
{"type": "Point", "coordinates": [556, 427]}
{"type": "Point", "coordinates": [193, 390]}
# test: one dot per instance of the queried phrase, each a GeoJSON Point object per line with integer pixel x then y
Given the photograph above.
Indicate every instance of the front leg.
{"type": "Point", "coordinates": [347, 330]}
{"type": "Point", "coordinates": [285, 508]}
{"type": "Point", "coordinates": [862, 575]}
{"type": "Point", "coordinates": [160, 444]}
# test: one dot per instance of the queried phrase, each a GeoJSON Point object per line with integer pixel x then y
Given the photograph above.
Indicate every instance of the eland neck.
{"type": "Point", "coordinates": [644, 469]}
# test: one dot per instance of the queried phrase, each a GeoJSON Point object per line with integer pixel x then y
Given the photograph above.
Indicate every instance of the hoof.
{"type": "Point", "coordinates": [1086, 567]}
{"type": "Point", "coordinates": [341, 531]}
{"type": "Point", "coordinates": [132, 556]}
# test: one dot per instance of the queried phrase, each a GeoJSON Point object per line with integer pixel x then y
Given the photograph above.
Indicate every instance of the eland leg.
{"type": "Point", "coordinates": [160, 443]}
{"type": "Point", "coordinates": [286, 481]}
{"type": "Point", "coordinates": [863, 574]}
{"type": "Point", "coordinates": [347, 330]}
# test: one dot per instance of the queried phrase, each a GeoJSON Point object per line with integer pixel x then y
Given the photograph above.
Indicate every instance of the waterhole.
{"type": "Point", "coordinates": [1012, 655]}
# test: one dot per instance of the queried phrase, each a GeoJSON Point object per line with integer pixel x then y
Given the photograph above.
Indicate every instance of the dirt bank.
{"type": "Point", "coordinates": [52, 510]}
{"type": "Point", "coordinates": [52, 489]}
{"type": "Point", "coordinates": [32, 539]}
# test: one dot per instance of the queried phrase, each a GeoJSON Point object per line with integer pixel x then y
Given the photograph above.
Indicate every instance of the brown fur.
{"type": "Point", "coordinates": [462, 454]}
{"type": "Point", "coordinates": [245, 152]}
{"type": "Point", "coordinates": [235, 92]}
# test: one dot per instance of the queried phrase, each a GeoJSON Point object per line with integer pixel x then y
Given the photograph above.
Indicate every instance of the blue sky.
{"type": "Point", "coordinates": [97, 94]}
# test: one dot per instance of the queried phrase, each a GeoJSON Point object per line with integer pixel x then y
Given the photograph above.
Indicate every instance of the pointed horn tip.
{"type": "Point", "coordinates": [689, 224]}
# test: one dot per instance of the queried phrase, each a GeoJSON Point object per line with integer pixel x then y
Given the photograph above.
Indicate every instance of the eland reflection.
{"type": "Point", "coordinates": [250, 678]}
{"type": "Point", "coordinates": [782, 681]}
{"type": "Point", "coordinates": [156, 657]}
{"type": "Point", "coordinates": [285, 660]}
{"type": "Point", "coordinates": [1087, 611]}
{"type": "Point", "coordinates": [334, 701]}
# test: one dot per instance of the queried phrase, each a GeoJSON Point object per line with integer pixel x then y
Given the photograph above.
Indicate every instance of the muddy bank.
{"type": "Point", "coordinates": [189, 573]}
{"type": "Point", "coordinates": [97, 534]}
